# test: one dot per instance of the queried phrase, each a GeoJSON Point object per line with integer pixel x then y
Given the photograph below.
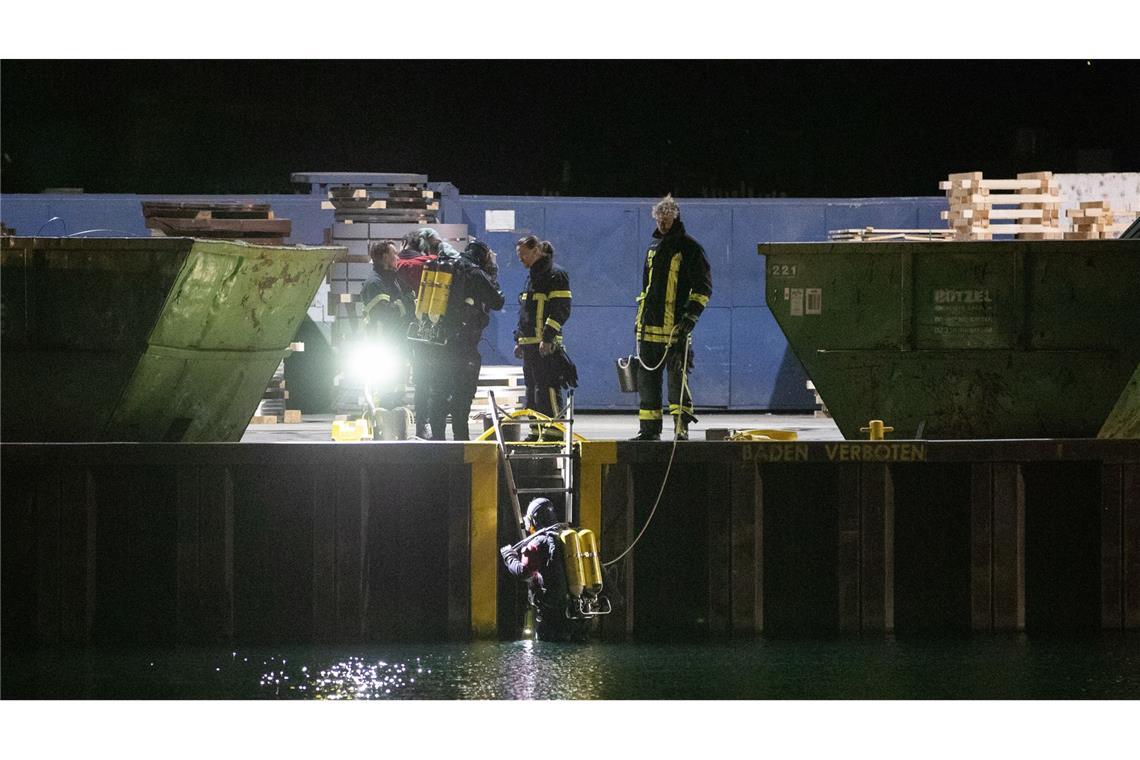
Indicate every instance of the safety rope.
{"type": "Point", "coordinates": [672, 452]}
{"type": "Point", "coordinates": [665, 355]}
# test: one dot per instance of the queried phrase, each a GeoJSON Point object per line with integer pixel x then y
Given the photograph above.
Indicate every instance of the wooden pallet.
{"type": "Point", "coordinates": [506, 380]}
{"type": "Point", "coordinates": [253, 222]}
{"type": "Point", "coordinates": [276, 396]}
{"type": "Point", "coordinates": [1034, 196]}
{"type": "Point", "coordinates": [821, 411]}
{"type": "Point", "coordinates": [1096, 220]}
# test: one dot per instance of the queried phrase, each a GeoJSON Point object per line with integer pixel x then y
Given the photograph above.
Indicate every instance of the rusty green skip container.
{"type": "Point", "coordinates": [1019, 339]}
{"type": "Point", "coordinates": [145, 339]}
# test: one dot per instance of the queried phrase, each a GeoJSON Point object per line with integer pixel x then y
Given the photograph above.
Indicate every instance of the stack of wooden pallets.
{"type": "Point", "coordinates": [1031, 201]}
{"type": "Point", "coordinates": [251, 222]}
{"type": "Point", "coordinates": [1096, 220]}
{"type": "Point", "coordinates": [506, 380]}
{"type": "Point", "coordinates": [272, 407]}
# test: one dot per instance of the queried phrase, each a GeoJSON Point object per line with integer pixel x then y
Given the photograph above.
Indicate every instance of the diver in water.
{"type": "Point", "coordinates": [540, 564]}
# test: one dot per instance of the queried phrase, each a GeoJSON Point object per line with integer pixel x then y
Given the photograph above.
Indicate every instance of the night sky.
{"type": "Point", "coordinates": [593, 128]}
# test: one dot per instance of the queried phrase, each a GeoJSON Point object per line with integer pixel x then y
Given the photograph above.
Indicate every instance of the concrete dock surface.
{"type": "Point", "coordinates": [592, 425]}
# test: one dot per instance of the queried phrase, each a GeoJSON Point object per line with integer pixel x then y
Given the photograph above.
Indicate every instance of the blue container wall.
{"type": "Point", "coordinates": [742, 359]}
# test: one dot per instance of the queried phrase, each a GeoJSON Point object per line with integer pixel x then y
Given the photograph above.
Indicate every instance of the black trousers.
{"type": "Point", "coordinates": [453, 390]}
{"type": "Point", "coordinates": [649, 385]}
{"type": "Point", "coordinates": [538, 374]}
{"type": "Point", "coordinates": [424, 360]}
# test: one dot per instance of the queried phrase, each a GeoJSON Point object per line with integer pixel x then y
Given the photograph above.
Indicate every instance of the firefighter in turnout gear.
{"type": "Point", "coordinates": [388, 309]}
{"type": "Point", "coordinates": [544, 307]}
{"type": "Point", "coordinates": [676, 285]}
{"type": "Point", "coordinates": [474, 293]}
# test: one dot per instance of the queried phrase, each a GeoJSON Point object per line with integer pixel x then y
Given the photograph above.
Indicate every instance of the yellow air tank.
{"type": "Point", "coordinates": [591, 561]}
{"type": "Point", "coordinates": [437, 307]}
{"type": "Point", "coordinates": [572, 559]}
{"type": "Point", "coordinates": [423, 296]}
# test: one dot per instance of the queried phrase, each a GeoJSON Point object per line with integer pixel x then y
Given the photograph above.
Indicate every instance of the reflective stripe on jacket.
{"type": "Point", "coordinates": [675, 282]}
{"type": "Point", "coordinates": [544, 306]}
{"type": "Point", "coordinates": [388, 306]}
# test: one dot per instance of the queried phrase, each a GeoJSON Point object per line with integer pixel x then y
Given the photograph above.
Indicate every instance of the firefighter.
{"type": "Point", "coordinates": [675, 288]}
{"type": "Point", "coordinates": [389, 308]}
{"type": "Point", "coordinates": [474, 293]}
{"type": "Point", "coordinates": [540, 563]}
{"type": "Point", "coordinates": [409, 270]}
{"type": "Point", "coordinates": [544, 308]}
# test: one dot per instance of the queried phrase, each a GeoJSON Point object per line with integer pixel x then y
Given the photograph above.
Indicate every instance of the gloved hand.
{"type": "Point", "coordinates": [545, 348]}
{"type": "Point", "coordinates": [518, 351]}
{"type": "Point", "coordinates": [506, 552]}
{"type": "Point", "coordinates": [685, 327]}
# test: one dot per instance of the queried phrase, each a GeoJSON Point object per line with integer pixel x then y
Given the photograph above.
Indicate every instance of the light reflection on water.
{"type": "Point", "coordinates": [994, 668]}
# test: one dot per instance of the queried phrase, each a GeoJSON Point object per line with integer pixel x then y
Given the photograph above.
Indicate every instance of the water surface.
{"type": "Point", "coordinates": [979, 668]}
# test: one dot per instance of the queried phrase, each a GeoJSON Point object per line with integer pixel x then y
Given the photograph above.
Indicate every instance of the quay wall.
{"type": "Point", "coordinates": [353, 543]}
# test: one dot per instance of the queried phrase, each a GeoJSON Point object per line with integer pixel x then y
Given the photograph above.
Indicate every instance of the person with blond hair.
{"type": "Point", "coordinates": [676, 285]}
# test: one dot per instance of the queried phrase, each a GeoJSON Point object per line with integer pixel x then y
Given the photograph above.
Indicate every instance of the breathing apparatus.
{"type": "Point", "coordinates": [581, 559]}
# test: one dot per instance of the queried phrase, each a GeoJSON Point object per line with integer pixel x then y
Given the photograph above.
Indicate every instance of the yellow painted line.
{"type": "Point", "coordinates": [484, 461]}
{"type": "Point", "coordinates": [595, 456]}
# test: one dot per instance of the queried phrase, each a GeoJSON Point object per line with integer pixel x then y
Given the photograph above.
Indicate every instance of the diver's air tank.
{"type": "Point", "coordinates": [437, 305]}
{"type": "Point", "coordinates": [423, 295]}
{"type": "Point", "coordinates": [572, 560]}
{"type": "Point", "coordinates": [591, 561]}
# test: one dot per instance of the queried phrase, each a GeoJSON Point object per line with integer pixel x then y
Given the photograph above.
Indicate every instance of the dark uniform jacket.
{"type": "Point", "coordinates": [389, 307]}
{"type": "Point", "coordinates": [540, 564]}
{"type": "Point", "coordinates": [544, 305]}
{"type": "Point", "coordinates": [473, 293]}
{"type": "Point", "coordinates": [675, 283]}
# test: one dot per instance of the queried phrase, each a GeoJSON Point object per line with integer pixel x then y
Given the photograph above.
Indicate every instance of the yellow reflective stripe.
{"type": "Point", "coordinates": [528, 341]}
{"type": "Point", "coordinates": [671, 292]}
{"type": "Point", "coordinates": [700, 298]}
{"type": "Point", "coordinates": [539, 310]}
{"type": "Point", "coordinates": [559, 294]}
{"type": "Point", "coordinates": [554, 323]}
{"type": "Point", "coordinates": [648, 414]}
{"type": "Point", "coordinates": [648, 283]}
{"type": "Point", "coordinates": [656, 339]}
{"type": "Point", "coordinates": [379, 298]}
{"type": "Point", "coordinates": [677, 409]}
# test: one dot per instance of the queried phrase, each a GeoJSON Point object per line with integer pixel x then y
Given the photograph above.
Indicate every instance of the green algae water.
{"type": "Point", "coordinates": [987, 668]}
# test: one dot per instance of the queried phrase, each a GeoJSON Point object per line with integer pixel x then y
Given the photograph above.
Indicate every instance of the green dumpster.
{"type": "Point", "coordinates": [1020, 339]}
{"type": "Point", "coordinates": [145, 339]}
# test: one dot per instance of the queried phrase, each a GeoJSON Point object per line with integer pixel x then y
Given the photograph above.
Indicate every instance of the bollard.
{"type": "Point", "coordinates": [875, 429]}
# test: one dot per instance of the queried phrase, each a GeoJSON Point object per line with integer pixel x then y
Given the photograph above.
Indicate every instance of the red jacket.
{"type": "Point", "coordinates": [409, 271]}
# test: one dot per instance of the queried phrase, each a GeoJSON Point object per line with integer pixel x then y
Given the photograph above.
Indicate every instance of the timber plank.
{"type": "Point", "coordinates": [747, 551]}
{"type": "Point", "coordinates": [1111, 548]}
{"type": "Point", "coordinates": [848, 560]}
{"type": "Point", "coordinates": [1130, 510]}
{"type": "Point", "coordinates": [1008, 547]}
{"type": "Point", "coordinates": [719, 516]}
{"type": "Point", "coordinates": [981, 547]}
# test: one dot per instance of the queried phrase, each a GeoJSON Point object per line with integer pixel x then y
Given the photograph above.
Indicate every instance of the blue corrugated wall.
{"type": "Point", "coordinates": [742, 359]}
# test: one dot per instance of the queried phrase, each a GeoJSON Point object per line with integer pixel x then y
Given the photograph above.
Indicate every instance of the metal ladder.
{"type": "Point", "coordinates": [565, 455]}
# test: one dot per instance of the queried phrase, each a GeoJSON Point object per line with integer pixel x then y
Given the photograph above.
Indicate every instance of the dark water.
{"type": "Point", "coordinates": [983, 668]}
